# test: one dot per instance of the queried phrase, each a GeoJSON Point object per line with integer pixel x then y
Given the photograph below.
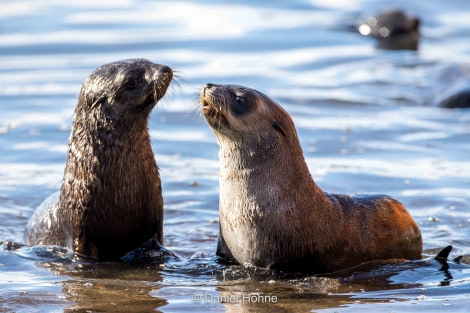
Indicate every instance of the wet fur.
{"type": "Point", "coordinates": [273, 215]}
{"type": "Point", "coordinates": [110, 201]}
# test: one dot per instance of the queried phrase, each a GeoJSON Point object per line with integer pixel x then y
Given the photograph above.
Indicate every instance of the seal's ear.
{"type": "Point", "coordinates": [98, 101]}
{"type": "Point", "coordinates": [278, 127]}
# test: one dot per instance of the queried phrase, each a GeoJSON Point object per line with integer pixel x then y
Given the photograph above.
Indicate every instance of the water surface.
{"type": "Point", "coordinates": [367, 121]}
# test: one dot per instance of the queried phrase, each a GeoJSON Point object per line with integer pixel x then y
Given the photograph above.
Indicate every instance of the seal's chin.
{"type": "Point", "coordinates": [149, 102]}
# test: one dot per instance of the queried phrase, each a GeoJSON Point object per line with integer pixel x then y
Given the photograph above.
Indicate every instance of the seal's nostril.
{"type": "Point", "coordinates": [166, 69]}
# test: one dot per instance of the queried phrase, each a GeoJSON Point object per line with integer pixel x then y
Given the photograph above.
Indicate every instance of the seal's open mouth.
{"type": "Point", "coordinates": [212, 104]}
{"type": "Point", "coordinates": [209, 109]}
{"type": "Point", "coordinates": [214, 115]}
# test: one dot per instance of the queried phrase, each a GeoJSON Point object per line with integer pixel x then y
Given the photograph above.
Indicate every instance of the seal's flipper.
{"type": "Point", "coordinates": [444, 254]}
{"type": "Point", "coordinates": [151, 251]}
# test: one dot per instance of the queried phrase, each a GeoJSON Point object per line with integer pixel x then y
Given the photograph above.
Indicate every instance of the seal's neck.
{"type": "Point", "coordinates": [106, 147]}
{"type": "Point", "coordinates": [266, 176]}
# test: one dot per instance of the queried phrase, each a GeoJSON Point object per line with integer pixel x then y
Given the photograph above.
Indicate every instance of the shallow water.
{"type": "Point", "coordinates": [367, 120]}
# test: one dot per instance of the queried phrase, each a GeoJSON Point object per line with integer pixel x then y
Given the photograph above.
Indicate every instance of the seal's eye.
{"type": "Point", "coordinates": [132, 82]}
{"type": "Point", "coordinates": [240, 99]}
{"type": "Point", "coordinates": [241, 102]}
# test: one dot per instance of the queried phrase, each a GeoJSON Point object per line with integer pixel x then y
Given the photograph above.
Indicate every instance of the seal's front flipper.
{"type": "Point", "coordinates": [151, 251]}
{"type": "Point", "coordinates": [10, 245]}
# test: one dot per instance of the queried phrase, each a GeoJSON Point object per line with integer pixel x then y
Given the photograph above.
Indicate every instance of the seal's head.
{"type": "Point", "coordinates": [394, 30]}
{"type": "Point", "coordinates": [244, 116]}
{"type": "Point", "coordinates": [126, 88]}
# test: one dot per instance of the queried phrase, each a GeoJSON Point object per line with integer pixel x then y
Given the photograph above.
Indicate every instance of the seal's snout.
{"type": "Point", "coordinates": [161, 77]}
{"type": "Point", "coordinates": [208, 99]}
{"type": "Point", "coordinates": [205, 98]}
{"type": "Point", "coordinates": [164, 72]}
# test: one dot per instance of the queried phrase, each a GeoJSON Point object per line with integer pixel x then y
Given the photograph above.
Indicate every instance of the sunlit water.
{"type": "Point", "coordinates": [367, 120]}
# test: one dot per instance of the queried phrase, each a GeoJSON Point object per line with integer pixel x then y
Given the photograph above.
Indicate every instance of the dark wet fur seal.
{"type": "Point", "coordinates": [273, 215]}
{"type": "Point", "coordinates": [111, 198]}
{"type": "Point", "coordinates": [459, 100]}
{"type": "Point", "coordinates": [393, 30]}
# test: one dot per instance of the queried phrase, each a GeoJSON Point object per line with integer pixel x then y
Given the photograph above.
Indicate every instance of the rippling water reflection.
{"type": "Point", "coordinates": [367, 120]}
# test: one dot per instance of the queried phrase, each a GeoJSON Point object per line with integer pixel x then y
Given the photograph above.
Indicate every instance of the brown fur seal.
{"type": "Point", "coordinates": [111, 198]}
{"type": "Point", "coordinates": [273, 215]}
{"type": "Point", "coordinates": [393, 30]}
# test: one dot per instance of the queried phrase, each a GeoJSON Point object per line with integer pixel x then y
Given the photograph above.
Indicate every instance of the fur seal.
{"type": "Point", "coordinates": [393, 30]}
{"type": "Point", "coordinates": [111, 200]}
{"type": "Point", "coordinates": [458, 100]}
{"type": "Point", "coordinates": [271, 212]}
